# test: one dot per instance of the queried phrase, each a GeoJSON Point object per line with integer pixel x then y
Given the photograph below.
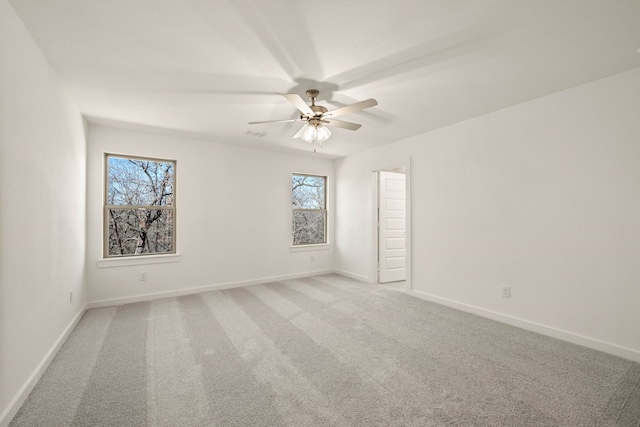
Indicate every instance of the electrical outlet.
{"type": "Point", "coordinates": [70, 296]}
{"type": "Point", "coordinates": [142, 276]}
{"type": "Point", "coordinates": [506, 292]}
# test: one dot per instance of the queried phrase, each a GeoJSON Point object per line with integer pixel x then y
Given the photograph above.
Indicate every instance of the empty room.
{"type": "Point", "coordinates": [244, 213]}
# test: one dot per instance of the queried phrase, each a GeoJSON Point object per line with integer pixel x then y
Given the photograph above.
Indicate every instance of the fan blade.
{"type": "Point", "coordinates": [275, 121]}
{"type": "Point", "coordinates": [341, 124]}
{"type": "Point", "coordinates": [299, 104]}
{"type": "Point", "coordinates": [351, 108]}
{"type": "Point", "coordinates": [300, 132]}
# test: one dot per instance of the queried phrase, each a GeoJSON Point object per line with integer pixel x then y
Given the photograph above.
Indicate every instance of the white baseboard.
{"type": "Point", "coordinates": [23, 393]}
{"type": "Point", "coordinates": [352, 276]}
{"type": "Point", "coordinates": [591, 343]}
{"type": "Point", "coordinates": [197, 290]}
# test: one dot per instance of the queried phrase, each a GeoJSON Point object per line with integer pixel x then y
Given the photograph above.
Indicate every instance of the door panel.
{"type": "Point", "coordinates": [392, 227]}
{"type": "Point", "coordinates": [395, 263]}
{"type": "Point", "coordinates": [394, 224]}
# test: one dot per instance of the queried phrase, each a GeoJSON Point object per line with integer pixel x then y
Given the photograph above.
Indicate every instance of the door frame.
{"type": "Point", "coordinates": [404, 162]}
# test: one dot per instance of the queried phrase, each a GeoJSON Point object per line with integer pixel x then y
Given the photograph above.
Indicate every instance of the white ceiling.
{"type": "Point", "coordinates": [204, 68]}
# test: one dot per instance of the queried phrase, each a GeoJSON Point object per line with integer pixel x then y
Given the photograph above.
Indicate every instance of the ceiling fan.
{"type": "Point", "coordinates": [318, 117]}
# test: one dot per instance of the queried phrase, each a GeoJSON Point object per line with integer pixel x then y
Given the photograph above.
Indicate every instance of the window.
{"type": "Point", "coordinates": [139, 207]}
{"type": "Point", "coordinates": [309, 197]}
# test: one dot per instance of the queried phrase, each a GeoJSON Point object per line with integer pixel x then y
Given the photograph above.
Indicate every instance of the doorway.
{"type": "Point", "coordinates": [391, 227]}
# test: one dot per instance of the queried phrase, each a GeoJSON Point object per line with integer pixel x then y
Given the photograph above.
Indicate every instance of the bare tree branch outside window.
{"type": "Point", "coordinates": [139, 206]}
{"type": "Point", "coordinates": [309, 209]}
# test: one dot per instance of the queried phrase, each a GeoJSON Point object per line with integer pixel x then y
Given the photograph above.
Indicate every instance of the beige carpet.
{"type": "Point", "coordinates": [322, 351]}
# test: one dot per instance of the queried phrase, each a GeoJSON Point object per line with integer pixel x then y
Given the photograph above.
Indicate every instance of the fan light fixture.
{"type": "Point", "coordinates": [315, 133]}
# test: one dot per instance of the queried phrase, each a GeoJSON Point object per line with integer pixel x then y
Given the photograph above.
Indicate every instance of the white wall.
{"type": "Point", "coordinates": [233, 216]}
{"type": "Point", "coordinates": [543, 197]}
{"type": "Point", "coordinates": [42, 212]}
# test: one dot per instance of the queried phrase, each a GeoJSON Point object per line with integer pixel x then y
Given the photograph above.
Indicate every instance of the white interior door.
{"type": "Point", "coordinates": [392, 238]}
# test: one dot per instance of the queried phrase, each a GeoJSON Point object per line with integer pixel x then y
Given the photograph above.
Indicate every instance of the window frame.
{"type": "Point", "coordinates": [324, 211]}
{"type": "Point", "coordinates": [106, 207]}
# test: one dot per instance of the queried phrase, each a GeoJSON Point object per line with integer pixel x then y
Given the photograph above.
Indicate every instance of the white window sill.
{"type": "Point", "coordinates": [318, 247]}
{"type": "Point", "coordinates": [138, 260]}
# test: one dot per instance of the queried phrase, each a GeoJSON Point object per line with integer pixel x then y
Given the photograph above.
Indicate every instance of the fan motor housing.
{"type": "Point", "coordinates": [318, 109]}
